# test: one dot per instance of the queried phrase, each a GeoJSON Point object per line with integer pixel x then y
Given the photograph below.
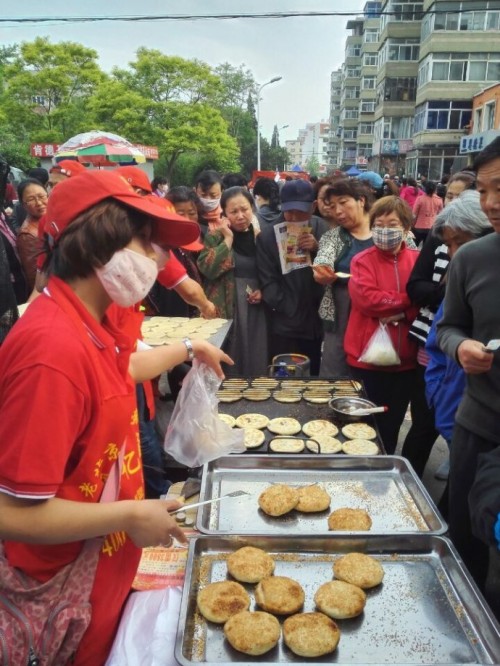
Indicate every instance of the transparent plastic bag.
{"type": "Point", "coordinates": [196, 435]}
{"type": "Point", "coordinates": [379, 349]}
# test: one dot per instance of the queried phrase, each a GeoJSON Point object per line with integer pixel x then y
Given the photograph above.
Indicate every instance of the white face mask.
{"type": "Point", "coordinates": [209, 204]}
{"type": "Point", "coordinates": [127, 277]}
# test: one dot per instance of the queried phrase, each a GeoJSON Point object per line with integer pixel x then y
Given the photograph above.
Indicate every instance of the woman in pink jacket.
{"type": "Point", "coordinates": [378, 296]}
{"type": "Point", "coordinates": [425, 210]}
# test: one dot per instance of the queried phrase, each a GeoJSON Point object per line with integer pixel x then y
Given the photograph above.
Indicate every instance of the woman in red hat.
{"type": "Point", "coordinates": [69, 414]}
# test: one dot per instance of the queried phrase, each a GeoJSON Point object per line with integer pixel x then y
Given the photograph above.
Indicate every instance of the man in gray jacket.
{"type": "Point", "coordinates": [471, 319]}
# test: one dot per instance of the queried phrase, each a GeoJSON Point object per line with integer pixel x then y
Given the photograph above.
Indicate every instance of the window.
{"type": "Point", "coordinates": [351, 114]}
{"type": "Point", "coordinates": [393, 128]}
{"type": "Point", "coordinates": [352, 92]}
{"type": "Point", "coordinates": [370, 35]}
{"type": "Point", "coordinates": [478, 119]}
{"type": "Point", "coordinates": [462, 67]}
{"type": "Point", "coordinates": [395, 50]}
{"type": "Point", "coordinates": [489, 116]}
{"type": "Point", "coordinates": [479, 15]}
{"type": "Point", "coordinates": [397, 89]}
{"type": "Point", "coordinates": [350, 134]}
{"type": "Point", "coordinates": [353, 51]}
{"type": "Point", "coordinates": [366, 128]}
{"type": "Point", "coordinates": [370, 60]}
{"type": "Point", "coordinates": [442, 115]}
{"type": "Point", "coordinates": [353, 72]}
{"type": "Point", "coordinates": [367, 107]}
{"type": "Point", "coordinates": [401, 10]}
{"type": "Point", "coordinates": [368, 82]}
{"type": "Point", "coordinates": [365, 149]}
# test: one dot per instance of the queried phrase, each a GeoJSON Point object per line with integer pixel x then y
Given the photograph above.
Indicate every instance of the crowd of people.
{"type": "Point", "coordinates": [364, 277]}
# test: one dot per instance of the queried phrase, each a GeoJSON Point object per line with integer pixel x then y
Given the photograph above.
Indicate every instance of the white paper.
{"type": "Point", "coordinates": [291, 256]}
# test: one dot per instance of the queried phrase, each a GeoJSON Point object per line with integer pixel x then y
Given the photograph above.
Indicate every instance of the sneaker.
{"type": "Point", "coordinates": [443, 470]}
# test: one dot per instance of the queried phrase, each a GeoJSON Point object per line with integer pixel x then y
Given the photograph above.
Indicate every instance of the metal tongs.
{"type": "Point", "coordinates": [235, 493]}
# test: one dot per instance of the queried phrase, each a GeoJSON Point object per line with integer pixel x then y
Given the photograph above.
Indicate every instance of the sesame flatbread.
{"type": "Point", "coordinates": [278, 499]}
{"type": "Point", "coordinates": [265, 382]}
{"type": "Point", "coordinates": [349, 520]}
{"type": "Point", "coordinates": [250, 565]}
{"type": "Point", "coordinates": [218, 601]}
{"type": "Point", "coordinates": [340, 600]}
{"type": "Point", "coordinates": [316, 399]}
{"type": "Point", "coordinates": [310, 634]}
{"type": "Point", "coordinates": [280, 595]}
{"type": "Point", "coordinates": [359, 569]}
{"type": "Point", "coordinates": [252, 421]}
{"type": "Point", "coordinates": [252, 632]}
{"type": "Point", "coordinates": [312, 499]}
{"type": "Point", "coordinates": [360, 447]}
{"type": "Point", "coordinates": [320, 427]}
{"type": "Point", "coordinates": [284, 425]}
{"type": "Point", "coordinates": [359, 431]}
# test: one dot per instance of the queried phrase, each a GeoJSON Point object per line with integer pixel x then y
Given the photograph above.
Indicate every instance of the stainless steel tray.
{"type": "Point", "coordinates": [427, 610]}
{"type": "Point", "coordinates": [386, 486]}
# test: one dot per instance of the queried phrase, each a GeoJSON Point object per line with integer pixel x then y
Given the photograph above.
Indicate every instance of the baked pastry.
{"type": "Point", "coordinates": [287, 396]}
{"type": "Point", "coordinates": [324, 444]}
{"type": "Point", "coordinates": [252, 633]}
{"type": "Point", "coordinates": [218, 601]}
{"type": "Point", "coordinates": [340, 600]}
{"type": "Point", "coordinates": [312, 499]}
{"type": "Point", "coordinates": [349, 520]}
{"type": "Point", "coordinates": [286, 445]}
{"type": "Point", "coordinates": [253, 438]}
{"type": "Point", "coordinates": [256, 394]}
{"type": "Point", "coordinates": [278, 499]}
{"type": "Point", "coordinates": [280, 595]}
{"type": "Point", "coordinates": [359, 431]}
{"type": "Point", "coordinates": [250, 565]}
{"type": "Point", "coordinates": [359, 569]}
{"type": "Point", "coordinates": [320, 427]}
{"type": "Point", "coordinates": [360, 447]}
{"type": "Point", "coordinates": [228, 419]}
{"type": "Point", "coordinates": [310, 634]}
{"type": "Point", "coordinates": [252, 421]}
{"type": "Point", "coordinates": [284, 425]}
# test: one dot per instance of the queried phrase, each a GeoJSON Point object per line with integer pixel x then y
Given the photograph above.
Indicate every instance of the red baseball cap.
{"type": "Point", "coordinates": [195, 246]}
{"type": "Point", "coordinates": [68, 168]}
{"type": "Point", "coordinates": [75, 195]}
{"type": "Point", "coordinates": [135, 176]}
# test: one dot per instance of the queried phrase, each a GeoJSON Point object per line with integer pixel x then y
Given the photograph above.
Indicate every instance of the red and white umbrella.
{"type": "Point", "coordinates": [100, 149]}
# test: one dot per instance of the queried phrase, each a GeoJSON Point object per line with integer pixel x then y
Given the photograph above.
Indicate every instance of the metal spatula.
{"type": "Point", "coordinates": [235, 493]}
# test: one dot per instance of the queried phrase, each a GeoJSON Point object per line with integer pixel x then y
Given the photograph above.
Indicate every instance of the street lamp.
{"type": "Point", "coordinates": [274, 80]}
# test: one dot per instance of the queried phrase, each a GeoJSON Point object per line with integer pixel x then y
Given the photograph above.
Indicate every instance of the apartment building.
{"type": "Point", "coordinates": [459, 56]}
{"type": "Point", "coordinates": [485, 124]}
{"type": "Point", "coordinates": [333, 150]}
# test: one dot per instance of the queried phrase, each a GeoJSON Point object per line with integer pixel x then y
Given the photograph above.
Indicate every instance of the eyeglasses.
{"type": "Point", "coordinates": [41, 198]}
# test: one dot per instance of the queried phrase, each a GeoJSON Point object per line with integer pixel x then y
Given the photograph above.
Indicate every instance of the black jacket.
{"type": "Point", "coordinates": [292, 299]}
{"type": "Point", "coordinates": [484, 497]}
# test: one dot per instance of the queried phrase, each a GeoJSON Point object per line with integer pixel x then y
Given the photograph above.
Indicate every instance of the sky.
{"type": "Point", "coordinates": [302, 50]}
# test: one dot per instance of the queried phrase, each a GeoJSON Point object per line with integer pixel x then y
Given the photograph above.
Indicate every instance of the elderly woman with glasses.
{"type": "Point", "coordinates": [33, 197]}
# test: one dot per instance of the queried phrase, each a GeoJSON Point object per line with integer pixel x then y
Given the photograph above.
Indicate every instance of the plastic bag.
{"type": "Point", "coordinates": [379, 349]}
{"type": "Point", "coordinates": [196, 435]}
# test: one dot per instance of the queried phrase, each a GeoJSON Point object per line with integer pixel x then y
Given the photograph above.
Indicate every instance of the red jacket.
{"type": "Point", "coordinates": [378, 289]}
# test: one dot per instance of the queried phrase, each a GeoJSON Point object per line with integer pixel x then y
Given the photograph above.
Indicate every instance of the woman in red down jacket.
{"type": "Point", "coordinates": [378, 294]}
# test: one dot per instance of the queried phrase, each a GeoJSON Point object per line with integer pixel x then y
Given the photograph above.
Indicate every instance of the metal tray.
{"type": "Point", "coordinates": [386, 486]}
{"type": "Point", "coordinates": [427, 610]}
{"type": "Point", "coordinates": [303, 411]}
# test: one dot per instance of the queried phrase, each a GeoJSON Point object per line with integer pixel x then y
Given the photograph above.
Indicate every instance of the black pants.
{"type": "Point", "coordinates": [464, 452]}
{"type": "Point", "coordinates": [392, 389]}
{"type": "Point", "coordinates": [420, 235]}
{"type": "Point", "coordinates": [281, 344]}
{"type": "Point", "coordinates": [422, 434]}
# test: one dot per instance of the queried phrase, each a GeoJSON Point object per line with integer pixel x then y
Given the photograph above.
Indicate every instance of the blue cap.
{"type": "Point", "coordinates": [297, 195]}
{"type": "Point", "coordinates": [373, 178]}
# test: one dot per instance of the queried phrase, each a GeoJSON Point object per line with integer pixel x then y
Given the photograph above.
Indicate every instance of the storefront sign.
{"type": "Point", "coordinates": [50, 149]}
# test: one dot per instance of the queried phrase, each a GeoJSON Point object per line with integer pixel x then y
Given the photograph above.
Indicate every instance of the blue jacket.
{"type": "Point", "coordinates": [444, 383]}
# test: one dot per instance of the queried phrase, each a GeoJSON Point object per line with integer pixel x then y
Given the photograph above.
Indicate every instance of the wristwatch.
{"type": "Point", "coordinates": [189, 347]}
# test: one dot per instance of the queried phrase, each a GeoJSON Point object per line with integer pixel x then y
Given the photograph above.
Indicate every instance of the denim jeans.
{"type": "Point", "coordinates": [152, 451]}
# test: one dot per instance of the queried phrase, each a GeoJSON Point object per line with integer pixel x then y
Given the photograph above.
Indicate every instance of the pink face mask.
{"type": "Point", "coordinates": [127, 277]}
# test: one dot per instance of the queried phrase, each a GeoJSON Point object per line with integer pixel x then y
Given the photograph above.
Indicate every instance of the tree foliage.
{"type": "Point", "coordinates": [198, 116]}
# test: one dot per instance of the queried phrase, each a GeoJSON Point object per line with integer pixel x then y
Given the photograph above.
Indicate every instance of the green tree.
{"type": "Point", "coordinates": [275, 139]}
{"type": "Point", "coordinates": [169, 102]}
{"type": "Point", "coordinates": [47, 87]}
{"type": "Point", "coordinates": [312, 165]}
